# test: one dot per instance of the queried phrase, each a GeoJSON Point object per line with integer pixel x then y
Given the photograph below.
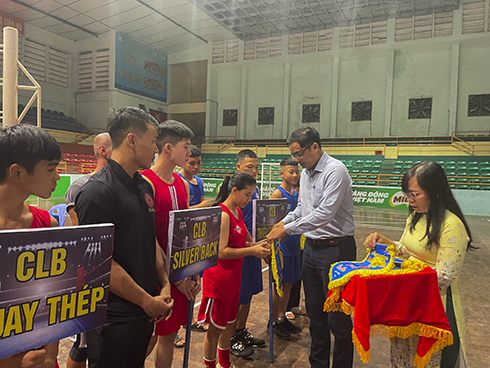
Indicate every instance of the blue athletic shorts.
{"type": "Point", "coordinates": [251, 279]}
{"type": "Point", "coordinates": [291, 271]}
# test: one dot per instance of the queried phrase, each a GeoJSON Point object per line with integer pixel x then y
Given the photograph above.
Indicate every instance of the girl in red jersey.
{"type": "Point", "coordinates": [221, 283]}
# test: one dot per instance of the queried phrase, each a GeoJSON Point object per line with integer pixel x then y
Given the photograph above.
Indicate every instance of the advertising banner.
{"type": "Point", "coordinates": [193, 239]}
{"type": "Point", "coordinates": [140, 69]}
{"type": "Point", "coordinates": [54, 283]}
{"type": "Point", "coordinates": [382, 197]}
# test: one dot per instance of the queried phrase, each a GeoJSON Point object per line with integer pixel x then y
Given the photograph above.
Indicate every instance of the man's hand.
{"type": "Point", "coordinates": [277, 231]}
{"type": "Point", "coordinates": [158, 307]}
{"type": "Point", "coordinates": [186, 287]}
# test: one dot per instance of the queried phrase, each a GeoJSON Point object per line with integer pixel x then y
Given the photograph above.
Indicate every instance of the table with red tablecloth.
{"type": "Point", "coordinates": [398, 305]}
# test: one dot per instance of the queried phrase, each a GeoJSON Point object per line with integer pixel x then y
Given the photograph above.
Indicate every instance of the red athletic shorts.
{"type": "Point", "coordinates": [219, 312]}
{"type": "Point", "coordinates": [178, 317]}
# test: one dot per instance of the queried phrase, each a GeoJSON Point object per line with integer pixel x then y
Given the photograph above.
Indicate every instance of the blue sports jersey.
{"type": "Point", "coordinates": [196, 191]}
{"type": "Point", "coordinates": [248, 211]}
{"type": "Point", "coordinates": [291, 246]}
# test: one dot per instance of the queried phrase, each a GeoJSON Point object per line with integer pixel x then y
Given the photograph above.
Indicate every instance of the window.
{"type": "Point", "coordinates": [361, 111]}
{"type": "Point", "coordinates": [311, 113]}
{"type": "Point", "coordinates": [479, 105]}
{"type": "Point", "coordinates": [420, 108]}
{"type": "Point", "coordinates": [230, 117]}
{"type": "Point", "coordinates": [266, 116]}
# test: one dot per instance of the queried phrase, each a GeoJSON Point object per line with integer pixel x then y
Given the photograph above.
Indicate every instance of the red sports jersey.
{"type": "Point", "coordinates": [223, 280]}
{"type": "Point", "coordinates": [40, 218]}
{"type": "Point", "coordinates": [168, 197]}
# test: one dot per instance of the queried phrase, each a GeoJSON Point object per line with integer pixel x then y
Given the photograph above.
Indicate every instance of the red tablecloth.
{"type": "Point", "coordinates": [398, 305]}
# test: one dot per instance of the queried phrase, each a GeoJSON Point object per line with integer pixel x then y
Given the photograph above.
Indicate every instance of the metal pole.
{"type": "Point", "coordinates": [10, 75]}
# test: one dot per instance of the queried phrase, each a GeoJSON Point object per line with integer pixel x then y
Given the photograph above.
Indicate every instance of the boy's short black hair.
{"type": "Point", "coordinates": [127, 120]}
{"type": "Point", "coordinates": [195, 151]}
{"type": "Point", "coordinates": [26, 145]}
{"type": "Point", "coordinates": [172, 131]}
{"type": "Point", "coordinates": [289, 161]}
{"type": "Point", "coordinates": [246, 153]}
{"type": "Point", "coordinates": [305, 137]}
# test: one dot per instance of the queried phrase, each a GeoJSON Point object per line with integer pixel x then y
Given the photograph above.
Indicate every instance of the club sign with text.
{"type": "Point", "coordinates": [267, 213]}
{"type": "Point", "coordinates": [193, 240]}
{"type": "Point", "coordinates": [54, 283]}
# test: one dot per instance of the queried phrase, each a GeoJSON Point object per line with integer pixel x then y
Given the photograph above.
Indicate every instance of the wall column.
{"type": "Point", "coordinates": [453, 97]}
{"type": "Point", "coordinates": [242, 119]}
{"type": "Point", "coordinates": [10, 75]}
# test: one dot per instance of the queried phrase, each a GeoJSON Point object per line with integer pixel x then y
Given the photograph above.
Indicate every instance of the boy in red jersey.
{"type": "Point", "coordinates": [28, 160]}
{"type": "Point", "coordinates": [171, 193]}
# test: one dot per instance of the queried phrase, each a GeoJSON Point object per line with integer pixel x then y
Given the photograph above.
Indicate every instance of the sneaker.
{"type": "Point", "coordinates": [279, 331]}
{"type": "Point", "coordinates": [239, 350]}
{"type": "Point", "coordinates": [220, 366]}
{"type": "Point", "coordinates": [299, 311]}
{"type": "Point", "coordinates": [290, 327]}
{"type": "Point", "coordinates": [248, 340]}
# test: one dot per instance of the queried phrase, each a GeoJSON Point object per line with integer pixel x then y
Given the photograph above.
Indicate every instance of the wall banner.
{"type": "Point", "coordinates": [140, 69]}
{"type": "Point", "coordinates": [54, 283]}
{"type": "Point", "coordinates": [193, 239]}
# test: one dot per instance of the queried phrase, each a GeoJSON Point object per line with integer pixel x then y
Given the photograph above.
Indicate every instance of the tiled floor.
{"type": "Point", "coordinates": [294, 354]}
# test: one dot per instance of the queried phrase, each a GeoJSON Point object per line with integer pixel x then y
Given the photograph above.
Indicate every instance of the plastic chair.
{"type": "Point", "coordinates": [59, 213]}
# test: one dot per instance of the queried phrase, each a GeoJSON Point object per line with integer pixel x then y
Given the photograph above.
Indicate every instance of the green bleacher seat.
{"type": "Point", "coordinates": [450, 167]}
{"type": "Point", "coordinates": [462, 173]}
{"type": "Point", "coordinates": [478, 187]}
{"type": "Point", "coordinates": [362, 177]}
{"type": "Point", "coordinates": [365, 171]}
{"type": "Point", "coordinates": [462, 180]}
{"type": "Point", "coordinates": [398, 166]}
{"type": "Point", "coordinates": [370, 183]}
{"type": "Point", "coordinates": [392, 184]}
{"type": "Point", "coordinates": [396, 172]}
{"type": "Point", "coordinates": [462, 186]}
{"type": "Point", "coordinates": [372, 177]}
{"type": "Point", "coordinates": [451, 173]}
{"type": "Point", "coordinates": [451, 180]}
{"type": "Point", "coordinates": [394, 177]}
{"type": "Point", "coordinates": [485, 187]}
{"type": "Point", "coordinates": [360, 182]}
{"type": "Point", "coordinates": [452, 186]}
{"type": "Point", "coordinates": [473, 163]}
{"type": "Point", "coordinates": [451, 162]}
{"type": "Point", "coordinates": [355, 171]}
{"type": "Point", "coordinates": [378, 161]}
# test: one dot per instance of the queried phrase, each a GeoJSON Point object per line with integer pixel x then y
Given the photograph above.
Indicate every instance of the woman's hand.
{"type": "Point", "coordinates": [261, 249]}
{"type": "Point", "coordinates": [374, 238]}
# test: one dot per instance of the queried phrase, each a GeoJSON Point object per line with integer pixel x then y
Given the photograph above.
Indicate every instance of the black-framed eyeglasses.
{"type": "Point", "coordinates": [301, 153]}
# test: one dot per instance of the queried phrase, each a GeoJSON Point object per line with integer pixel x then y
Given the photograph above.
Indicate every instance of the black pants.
{"type": "Point", "coordinates": [316, 267]}
{"type": "Point", "coordinates": [119, 344]}
{"type": "Point", "coordinates": [295, 296]}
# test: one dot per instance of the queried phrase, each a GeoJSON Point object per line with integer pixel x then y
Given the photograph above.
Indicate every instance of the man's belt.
{"type": "Point", "coordinates": [326, 242]}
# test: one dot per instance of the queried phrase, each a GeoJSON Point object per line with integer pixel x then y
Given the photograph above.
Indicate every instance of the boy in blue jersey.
{"type": "Point", "coordinates": [282, 328]}
{"type": "Point", "coordinates": [189, 174]}
{"type": "Point", "coordinates": [251, 284]}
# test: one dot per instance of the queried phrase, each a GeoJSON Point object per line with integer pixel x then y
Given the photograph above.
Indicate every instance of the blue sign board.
{"type": "Point", "coordinates": [140, 69]}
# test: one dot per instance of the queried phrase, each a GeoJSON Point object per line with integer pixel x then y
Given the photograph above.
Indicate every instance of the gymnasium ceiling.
{"type": "Point", "coordinates": [177, 25]}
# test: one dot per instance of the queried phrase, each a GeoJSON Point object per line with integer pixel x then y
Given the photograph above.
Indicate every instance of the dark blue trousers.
{"type": "Point", "coordinates": [316, 266]}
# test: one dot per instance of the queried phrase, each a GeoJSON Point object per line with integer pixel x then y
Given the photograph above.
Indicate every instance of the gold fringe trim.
{"type": "Point", "coordinates": [444, 338]}
{"type": "Point", "coordinates": [364, 354]}
{"type": "Point", "coordinates": [275, 272]}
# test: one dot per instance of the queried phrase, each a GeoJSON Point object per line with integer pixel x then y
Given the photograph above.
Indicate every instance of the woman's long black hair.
{"type": "Point", "coordinates": [239, 180]}
{"type": "Point", "coordinates": [432, 179]}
